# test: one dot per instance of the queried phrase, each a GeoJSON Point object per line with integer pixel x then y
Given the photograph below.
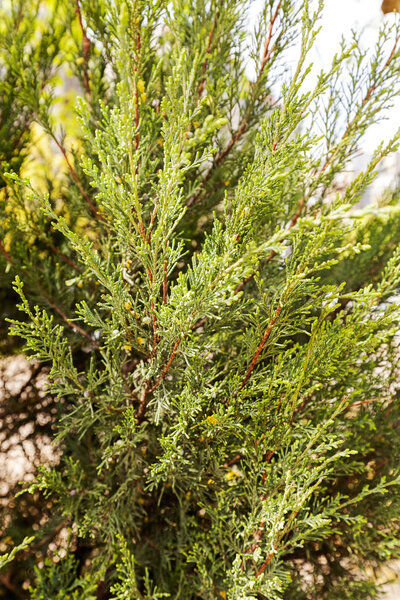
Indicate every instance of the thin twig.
{"type": "Point", "coordinates": [259, 349]}
{"type": "Point", "coordinates": [11, 587]}
{"type": "Point", "coordinates": [266, 562]}
{"type": "Point", "coordinates": [167, 366]}
{"type": "Point", "coordinates": [86, 44]}
{"type": "Point", "coordinates": [205, 64]}
{"type": "Point", "coordinates": [155, 336]}
{"type": "Point", "coordinates": [267, 52]}
{"type": "Point", "coordinates": [143, 403]}
{"type": "Point", "coordinates": [77, 180]}
{"type": "Point", "coordinates": [149, 390]}
{"type": "Point", "coordinates": [5, 253]}
{"type": "Point", "coordinates": [64, 317]}
{"type": "Point", "coordinates": [165, 282]}
{"type": "Point", "coordinates": [232, 461]}
{"type": "Point", "coordinates": [196, 198]}
{"type": "Point", "coordinates": [259, 533]}
{"type": "Point", "coordinates": [328, 161]}
{"type": "Point", "coordinates": [363, 402]}
{"type": "Point", "coordinates": [136, 91]}
{"type": "Point", "coordinates": [65, 258]}
{"type": "Point", "coordinates": [47, 538]}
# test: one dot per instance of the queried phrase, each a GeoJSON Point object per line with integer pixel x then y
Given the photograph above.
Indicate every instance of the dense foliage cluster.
{"type": "Point", "coordinates": [217, 316]}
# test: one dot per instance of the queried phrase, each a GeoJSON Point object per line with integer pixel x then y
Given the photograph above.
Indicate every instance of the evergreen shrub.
{"type": "Point", "coordinates": [218, 314]}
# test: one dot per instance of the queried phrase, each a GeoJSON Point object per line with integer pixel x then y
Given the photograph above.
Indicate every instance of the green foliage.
{"type": "Point", "coordinates": [7, 558]}
{"type": "Point", "coordinates": [219, 318]}
{"type": "Point", "coordinates": [60, 581]}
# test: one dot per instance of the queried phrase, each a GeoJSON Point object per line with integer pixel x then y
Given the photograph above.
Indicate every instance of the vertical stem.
{"type": "Point", "coordinates": [267, 51]}
{"type": "Point", "coordinates": [5, 253]}
{"type": "Point", "coordinates": [165, 282]}
{"type": "Point", "coordinates": [259, 349]}
{"type": "Point", "coordinates": [77, 180]}
{"type": "Point", "coordinates": [205, 64]}
{"type": "Point", "coordinates": [136, 91]}
{"type": "Point", "coordinates": [85, 50]}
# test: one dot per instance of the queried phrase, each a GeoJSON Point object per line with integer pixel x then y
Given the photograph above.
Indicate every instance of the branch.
{"type": "Point", "coordinates": [165, 282]}
{"type": "Point", "coordinates": [5, 253]}
{"type": "Point", "coordinates": [198, 197]}
{"type": "Point", "coordinates": [136, 91]}
{"type": "Point", "coordinates": [328, 161]}
{"type": "Point", "coordinates": [366, 98]}
{"type": "Point", "coordinates": [205, 64]}
{"type": "Point", "coordinates": [64, 317]}
{"type": "Point", "coordinates": [362, 402]}
{"type": "Point", "coordinates": [65, 258]}
{"type": "Point", "coordinates": [155, 336]}
{"type": "Point", "coordinates": [149, 390]}
{"type": "Point", "coordinates": [11, 587]}
{"type": "Point", "coordinates": [259, 533]}
{"type": "Point", "coordinates": [267, 52]}
{"type": "Point", "coordinates": [85, 50]}
{"type": "Point", "coordinates": [259, 349]}
{"type": "Point", "coordinates": [266, 562]}
{"type": "Point", "coordinates": [167, 366]}
{"type": "Point", "coordinates": [48, 537]}
{"type": "Point", "coordinates": [77, 180]}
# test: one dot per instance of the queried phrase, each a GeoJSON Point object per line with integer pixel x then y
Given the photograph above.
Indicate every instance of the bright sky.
{"type": "Point", "coordinates": [340, 16]}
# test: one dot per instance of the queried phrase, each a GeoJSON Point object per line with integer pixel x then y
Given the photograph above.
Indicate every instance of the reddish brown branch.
{"type": "Point", "coordinates": [259, 349]}
{"type": "Point", "coordinates": [167, 366]}
{"type": "Point", "coordinates": [53, 304]}
{"type": "Point", "coordinates": [149, 390]}
{"type": "Point", "coordinates": [143, 403]}
{"type": "Point", "coordinates": [165, 282]}
{"type": "Point", "coordinates": [152, 219]}
{"type": "Point", "coordinates": [4, 579]}
{"type": "Point", "coordinates": [267, 51]}
{"type": "Point", "coordinates": [47, 538]}
{"type": "Point", "coordinates": [5, 253]}
{"type": "Point", "coordinates": [77, 180]}
{"type": "Point", "coordinates": [391, 55]}
{"type": "Point", "coordinates": [65, 258]}
{"type": "Point", "coordinates": [259, 533]}
{"type": "Point", "coordinates": [371, 400]}
{"type": "Point", "coordinates": [244, 122]}
{"type": "Point", "coordinates": [155, 336]}
{"type": "Point", "coordinates": [52, 247]}
{"type": "Point", "coordinates": [300, 408]}
{"type": "Point", "coordinates": [273, 253]}
{"type": "Point", "coordinates": [86, 44]}
{"type": "Point", "coordinates": [266, 562]}
{"type": "Point", "coordinates": [137, 119]}
{"type": "Point", "coordinates": [301, 204]}
{"type": "Point", "coordinates": [366, 98]}
{"type": "Point", "coordinates": [205, 64]}
{"type": "Point", "coordinates": [64, 317]}
{"type": "Point", "coordinates": [232, 461]}
{"type": "Point", "coordinates": [136, 92]}
{"type": "Point", "coordinates": [220, 157]}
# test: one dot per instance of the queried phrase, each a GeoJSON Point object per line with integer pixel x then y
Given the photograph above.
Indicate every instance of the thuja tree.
{"type": "Point", "coordinates": [218, 316]}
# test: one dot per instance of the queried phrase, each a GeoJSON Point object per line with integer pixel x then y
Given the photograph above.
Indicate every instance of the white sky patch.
{"type": "Point", "coordinates": [339, 18]}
